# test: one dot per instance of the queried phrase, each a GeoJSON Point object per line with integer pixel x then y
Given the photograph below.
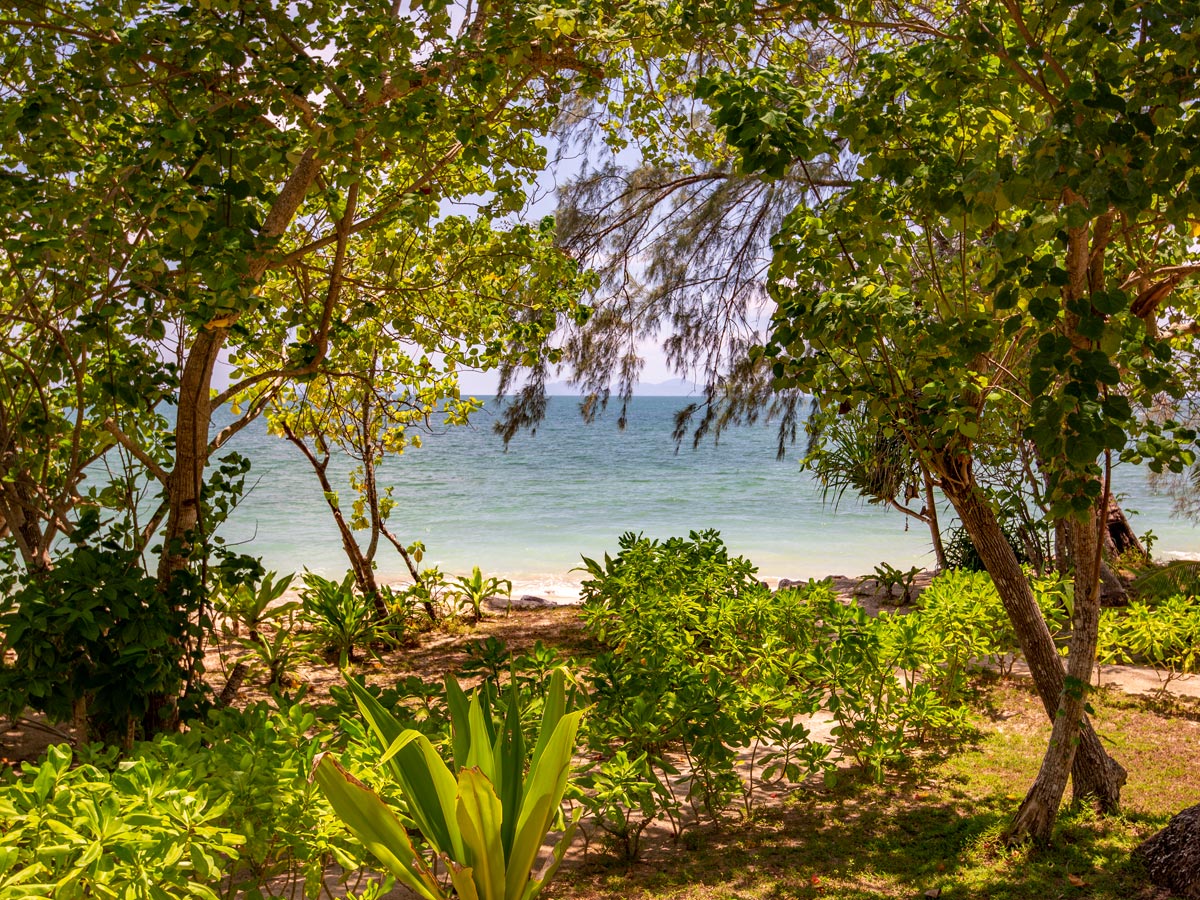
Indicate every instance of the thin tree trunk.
{"type": "Point", "coordinates": [233, 685]}
{"type": "Point", "coordinates": [184, 488]}
{"type": "Point", "coordinates": [1035, 817]}
{"type": "Point", "coordinates": [79, 717]}
{"type": "Point", "coordinates": [1097, 776]}
{"type": "Point", "coordinates": [935, 529]}
{"type": "Point", "coordinates": [1062, 547]}
{"type": "Point", "coordinates": [412, 567]}
{"type": "Point", "coordinates": [15, 519]}
{"type": "Point", "coordinates": [364, 574]}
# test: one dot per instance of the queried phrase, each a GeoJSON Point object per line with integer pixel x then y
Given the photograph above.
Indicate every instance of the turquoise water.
{"type": "Point", "coordinates": [572, 489]}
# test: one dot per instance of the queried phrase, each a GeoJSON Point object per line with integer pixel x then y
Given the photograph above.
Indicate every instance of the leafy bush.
{"type": "Point", "coordinates": [249, 607]}
{"type": "Point", "coordinates": [964, 620]}
{"type": "Point", "coordinates": [887, 577]}
{"type": "Point", "coordinates": [226, 806]}
{"type": "Point", "coordinates": [700, 657]}
{"type": "Point", "coordinates": [148, 829]}
{"type": "Point", "coordinates": [964, 617]}
{"type": "Point", "coordinates": [95, 640]}
{"type": "Point", "coordinates": [1164, 635]}
{"type": "Point", "coordinates": [475, 589]}
{"type": "Point", "coordinates": [341, 620]}
{"type": "Point", "coordinates": [1160, 582]}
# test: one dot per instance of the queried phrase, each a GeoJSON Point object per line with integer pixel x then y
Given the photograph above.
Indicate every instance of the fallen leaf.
{"type": "Point", "coordinates": [1076, 880]}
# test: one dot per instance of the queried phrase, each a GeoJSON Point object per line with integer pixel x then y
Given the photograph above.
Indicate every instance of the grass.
{"type": "Point", "coordinates": [936, 826]}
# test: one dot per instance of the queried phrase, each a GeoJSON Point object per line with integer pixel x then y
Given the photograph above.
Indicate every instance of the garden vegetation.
{"type": "Point", "coordinates": [974, 227]}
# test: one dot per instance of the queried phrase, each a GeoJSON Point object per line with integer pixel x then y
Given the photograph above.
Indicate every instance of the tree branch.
{"type": "Point", "coordinates": [139, 454]}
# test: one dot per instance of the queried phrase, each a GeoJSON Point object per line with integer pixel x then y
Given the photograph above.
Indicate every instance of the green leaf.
{"type": "Point", "coordinates": [510, 769]}
{"type": "Point", "coordinates": [480, 818]}
{"type": "Point", "coordinates": [460, 715]}
{"type": "Point", "coordinates": [375, 825]}
{"type": "Point", "coordinates": [427, 783]}
{"type": "Point", "coordinates": [546, 783]}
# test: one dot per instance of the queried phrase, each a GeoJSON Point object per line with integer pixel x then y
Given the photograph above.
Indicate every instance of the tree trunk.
{"type": "Point", "coordinates": [186, 480]}
{"type": "Point", "coordinates": [360, 564]}
{"type": "Point", "coordinates": [1096, 775]}
{"type": "Point", "coordinates": [1118, 535]}
{"type": "Point", "coordinates": [935, 529]}
{"type": "Point", "coordinates": [15, 519]}
{"type": "Point", "coordinates": [1062, 547]}
{"type": "Point", "coordinates": [79, 718]}
{"type": "Point", "coordinates": [1035, 817]}
{"type": "Point", "coordinates": [233, 685]}
{"type": "Point", "coordinates": [184, 488]}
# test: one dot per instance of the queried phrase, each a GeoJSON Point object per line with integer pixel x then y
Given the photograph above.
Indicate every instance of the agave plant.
{"type": "Point", "coordinates": [484, 815]}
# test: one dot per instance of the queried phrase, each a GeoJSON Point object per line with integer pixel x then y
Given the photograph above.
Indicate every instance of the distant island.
{"type": "Point", "coordinates": [672, 387]}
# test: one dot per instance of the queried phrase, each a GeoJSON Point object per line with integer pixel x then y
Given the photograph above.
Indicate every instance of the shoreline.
{"type": "Point", "coordinates": [564, 589]}
{"type": "Point", "coordinates": [533, 590]}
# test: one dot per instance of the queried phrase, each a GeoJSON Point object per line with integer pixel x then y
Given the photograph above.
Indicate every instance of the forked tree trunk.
{"type": "Point", "coordinates": [360, 563]}
{"type": "Point", "coordinates": [1096, 775]}
{"type": "Point", "coordinates": [1035, 817]}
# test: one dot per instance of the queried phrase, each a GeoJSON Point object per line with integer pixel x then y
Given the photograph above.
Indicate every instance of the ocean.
{"type": "Point", "coordinates": [571, 489]}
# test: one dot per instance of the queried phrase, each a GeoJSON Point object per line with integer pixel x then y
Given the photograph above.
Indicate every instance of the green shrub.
{"type": "Point", "coordinates": [887, 577]}
{"type": "Point", "coordinates": [699, 657]}
{"type": "Point", "coordinates": [145, 831]}
{"type": "Point", "coordinates": [340, 619]}
{"type": "Point", "coordinates": [474, 590]}
{"type": "Point", "coordinates": [94, 640]}
{"type": "Point", "coordinates": [885, 679]}
{"type": "Point", "coordinates": [248, 607]}
{"type": "Point", "coordinates": [1164, 635]}
{"type": "Point", "coordinates": [964, 620]}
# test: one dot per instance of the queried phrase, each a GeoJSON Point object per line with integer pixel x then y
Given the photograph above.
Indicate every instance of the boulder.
{"type": "Point", "coordinates": [531, 601]}
{"type": "Point", "coordinates": [1172, 857]}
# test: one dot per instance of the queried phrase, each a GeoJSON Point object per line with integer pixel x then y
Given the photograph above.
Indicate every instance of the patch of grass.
{"type": "Point", "coordinates": [937, 826]}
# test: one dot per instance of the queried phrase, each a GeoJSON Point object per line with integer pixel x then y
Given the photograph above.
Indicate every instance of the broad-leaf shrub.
{"type": "Point", "coordinates": [700, 660]}
{"type": "Point", "coordinates": [1165, 635]}
{"type": "Point", "coordinates": [962, 621]}
{"type": "Point", "coordinates": [145, 831]}
{"type": "Point", "coordinates": [94, 641]}
{"type": "Point", "coordinates": [340, 619]}
{"type": "Point", "coordinates": [226, 806]}
{"type": "Point", "coordinates": [259, 760]}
